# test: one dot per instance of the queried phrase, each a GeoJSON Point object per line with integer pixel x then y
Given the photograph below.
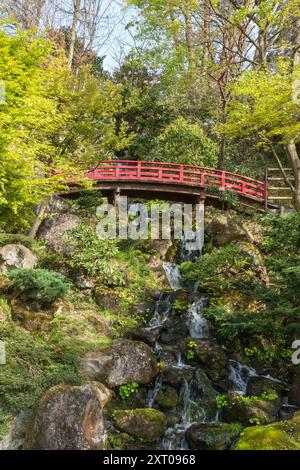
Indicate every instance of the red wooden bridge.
{"type": "Point", "coordinates": [178, 182]}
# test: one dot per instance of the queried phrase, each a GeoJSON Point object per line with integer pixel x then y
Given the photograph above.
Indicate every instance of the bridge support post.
{"type": "Point", "coordinates": [114, 197]}
{"type": "Point", "coordinates": [200, 219]}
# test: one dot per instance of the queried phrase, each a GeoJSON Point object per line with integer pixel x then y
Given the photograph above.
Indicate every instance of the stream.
{"type": "Point", "coordinates": [189, 409]}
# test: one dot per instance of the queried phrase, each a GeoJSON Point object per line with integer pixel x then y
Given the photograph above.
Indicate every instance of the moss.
{"type": "Point", "coordinates": [144, 423]}
{"type": "Point", "coordinates": [167, 398]}
{"type": "Point", "coordinates": [283, 435]}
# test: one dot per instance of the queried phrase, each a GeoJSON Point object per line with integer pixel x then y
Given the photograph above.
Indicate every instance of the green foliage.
{"type": "Point", "coordinates": [184, 142]}
{"type": "Point", "coordinates": [96, 256]}
{"type": "Point", "coordinates": [125, 391]}
{"type": "Point", "coordinates": [191, 350]}
{"type": "Point", "coordinates": [221, 401]}
{"type": "Point", "coordinates": [5, 307]}
{"type": "Point", "coordinates": [39, 284]}
{"type": "Point", "coordinates": [52, 123]}
{"type": "Point", "coordinates": [212, 269]}
{"type": "Point", "coordinates": [33, 365]}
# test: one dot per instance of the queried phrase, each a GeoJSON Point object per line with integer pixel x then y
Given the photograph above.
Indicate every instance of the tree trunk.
{"type": "Point", "coordinates": [73, 33]}
{"type": "Point", "coordinates": [291, 146]}
{"type": "Point", "coordinates": [38, 220]}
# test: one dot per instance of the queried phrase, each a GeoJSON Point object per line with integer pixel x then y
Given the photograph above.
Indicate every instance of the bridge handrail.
{"type": "Point", "coordinates": [114, 163]}
{"type": "Point", "coordinates": [179, 173]}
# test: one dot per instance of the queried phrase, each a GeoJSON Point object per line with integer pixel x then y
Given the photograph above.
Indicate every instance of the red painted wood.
{"type": "Point", "coordinates": [129, 170]}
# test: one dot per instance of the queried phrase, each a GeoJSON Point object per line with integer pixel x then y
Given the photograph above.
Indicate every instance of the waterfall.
{"type": "Point", "coordinates": [239, 375]}
{"type": "Point", "coordinates": [154, 392]}
{"type": "Point", "coordinates": [197, 324]}
{"type": "Point", "coordinates": [173, 275]}
{"type": "Point", "coordinates": [162, 310]}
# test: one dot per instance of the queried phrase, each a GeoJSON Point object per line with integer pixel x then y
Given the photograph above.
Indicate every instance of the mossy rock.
{"type": "Point", "coordinates": [283, 435]}
{"type": "Point", "coordinates": [167, 398]}
{"type": "Point", "coordinates": [146, 424]}
{"type": "Point", "coordinates": [250, 410]}
{"type": "Point", "coordinates": [212, 436]}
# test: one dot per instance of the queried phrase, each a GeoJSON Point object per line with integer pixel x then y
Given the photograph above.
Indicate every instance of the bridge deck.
{"type": "Point", "coordinates": [174, 181]}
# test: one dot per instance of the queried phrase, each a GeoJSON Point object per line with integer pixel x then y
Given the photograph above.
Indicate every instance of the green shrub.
{"type": "Point", "coordinates": [185, 142]}
{"type": "Point", "coordinates": [39, 284]}
{"type": "Point", "coordinates": [125, 391]}
{"type": "Point", "coordinates": [95, 256]}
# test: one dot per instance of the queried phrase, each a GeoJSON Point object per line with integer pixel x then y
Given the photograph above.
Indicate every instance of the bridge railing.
{"type": "Point", "coordinates": [128, 170]}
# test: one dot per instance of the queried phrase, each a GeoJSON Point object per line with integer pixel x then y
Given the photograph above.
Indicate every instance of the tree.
{"type": "Point", "coordinates": [184, 142]}
{"type": "Point", "coordinates": [53, 123]}
{"type": "Point", "coordinates": [263, 105]}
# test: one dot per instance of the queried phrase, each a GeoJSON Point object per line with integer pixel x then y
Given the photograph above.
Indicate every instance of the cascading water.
{"type": "Point", "coordinates": [173, 275]}
{"type": "Point", "coordinates": [197, 324]}
{"type": "Point", "coordinates": [190, 408]}
{"type": "Point", "coordinates": [239, 375]}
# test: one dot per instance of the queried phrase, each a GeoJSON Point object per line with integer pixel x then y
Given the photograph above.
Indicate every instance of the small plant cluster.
{"type": "Point", "coordinates": [125, 391]}
{"type": "Point", "coordinates": [222, 400]}
{"type": "Point", "coordinates": [191, 350]}
{"type": "Point", "coordinates": [39, 284]}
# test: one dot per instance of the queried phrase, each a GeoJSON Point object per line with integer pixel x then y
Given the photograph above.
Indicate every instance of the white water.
{"type": "Point", "coordinates": [197, 324]}
{"type": "Point", "coordinates": [239, 375]}
{"type": "Point", "coordinates": [162, 310]}
{"type": "Point", "coordinates": [173, 275]}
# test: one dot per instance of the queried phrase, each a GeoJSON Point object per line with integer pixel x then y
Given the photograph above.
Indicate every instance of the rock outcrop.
{"type": "Point", "coordinates": [144, 423]}
{"type": "Point", "coordinates": [225, 229]}
{"type": "Point", "coordinates": [121, 363]}
{"type": "Point", "coordinates": [70, 418]}
{"type": "Point", "coordinates": [53, 232]}
{"type": "Point", "coordinates": [211, 436]}
{"type": "Point", "coordinates": [283, 435]}
{"type": "Point", "coordinates": [15, 256]}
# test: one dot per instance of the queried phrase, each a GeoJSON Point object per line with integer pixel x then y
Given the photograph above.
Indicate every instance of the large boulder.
{"type": "Point", "coordinates": [53, 232]}
{"type": "Point", "coordinates": [206, 352]}
{"type": "Point", "coordinates": [70, 418]}
{"type": "Point", "coordinates": [144, 423]}
{"type": "Point", "coordinates": [121, 363]}
{"type": "Point", "coordinates": [250, 410]}
{"type": "Point", "coordinates": [16, 256]}
{"type": "Point", "coordinates": [257, 385]}
{"type": "Point", "coordinates": [167, 397]}
{"type": "Point", "coordinates": [225, 229]}
{"type": "Point", "coordinates": [211, 436]}
{"type": "Point", "coordinates": [175, 375]}
{"type": "Point", "coordinates": [283, 435]}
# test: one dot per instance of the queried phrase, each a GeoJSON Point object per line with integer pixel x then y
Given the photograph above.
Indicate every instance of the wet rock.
{"type": "Point", "coordinates": [15, 256]}
{"type": "Point", "coordinates": [287, 412]}
{"type": "Point", "coordinates": [121, 363]}
{"type": "Point", "coordinates": [211, 436]}
{"type": "Point", "coordinates": [144, 423]}
{"type": "Point", "coordinates": [294, 394]}
{"type": "Point", "coordinates": [148, 335]}
{"type": "Point", "coordinates": [174, 328]}
{"type": "Point", "coordinates": [258, 385]}
{"type": "Point", "coordinates": [167, 398]}
{"type": "Point", "coordinates": [70, 418]}
{"type": "Point", "coordinates": [250, 410]}
{"type": "Point", "coordinates": [175, 375]}
{"type": "Point", "coordinates": [159, 249]}
{"type": "Point", "coordinates": [225, 229]}
{"type": "Point", "coordinates": [205, 394]}
{"type": "Point", "coordinates": [283, 435]}
{"type": "Point", "coordinates": [53, 232]}
{"type": "Point", "coordinates": [207, 353]}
